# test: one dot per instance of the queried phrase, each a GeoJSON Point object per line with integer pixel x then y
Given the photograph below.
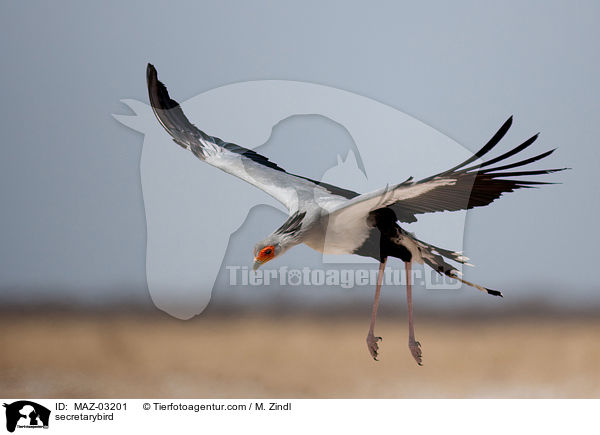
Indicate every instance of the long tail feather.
{"type": "Point", "coordinates": [478, 287]}
{"type": "Point", "coordinates": [435, 258]}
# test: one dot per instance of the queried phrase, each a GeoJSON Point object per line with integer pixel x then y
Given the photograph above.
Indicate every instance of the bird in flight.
{"type": "Point", "coordinates": [334, 220]}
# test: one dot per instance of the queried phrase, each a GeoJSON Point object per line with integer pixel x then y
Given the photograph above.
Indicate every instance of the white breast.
{"type": "Point", "coordinates": [338, 235]}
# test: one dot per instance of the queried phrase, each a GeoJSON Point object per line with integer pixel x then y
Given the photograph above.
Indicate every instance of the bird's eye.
{"type": "Point", "coordinates": [268, 252]}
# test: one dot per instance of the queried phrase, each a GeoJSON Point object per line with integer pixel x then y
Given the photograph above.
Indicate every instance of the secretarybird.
{"type": "Point", "coordinates": [334, 220]}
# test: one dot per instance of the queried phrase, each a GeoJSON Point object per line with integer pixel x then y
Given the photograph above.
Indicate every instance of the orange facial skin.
{"type": "Point", "coordinates": [265, 254]}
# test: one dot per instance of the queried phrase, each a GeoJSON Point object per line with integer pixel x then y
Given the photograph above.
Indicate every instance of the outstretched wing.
{"type": "Point", "coordinates": [459, 188]}
{"type": "Point", "coordinates": [289, 189]}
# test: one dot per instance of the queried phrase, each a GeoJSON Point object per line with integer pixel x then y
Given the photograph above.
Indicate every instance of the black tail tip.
{"type": "Point", "coordinates": [494, 292]}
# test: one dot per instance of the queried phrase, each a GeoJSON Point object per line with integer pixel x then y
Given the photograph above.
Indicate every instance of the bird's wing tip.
{"type": "Point", "coordinates": [151, 73]}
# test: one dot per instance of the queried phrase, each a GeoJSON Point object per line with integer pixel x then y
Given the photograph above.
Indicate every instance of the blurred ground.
{"type": "Point", "coordinates": [129, 355]}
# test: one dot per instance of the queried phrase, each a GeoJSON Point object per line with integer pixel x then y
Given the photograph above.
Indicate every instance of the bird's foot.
{"type": "Point", "coordinates": [372, 345]}
{"type": "Point", "coordinates": [415, 349]}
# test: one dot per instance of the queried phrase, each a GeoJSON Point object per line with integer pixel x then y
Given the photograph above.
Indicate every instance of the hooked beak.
{"type": "Point", "coordinates": [257, 263]}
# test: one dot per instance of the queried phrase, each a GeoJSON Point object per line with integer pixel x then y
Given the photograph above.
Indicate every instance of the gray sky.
{"type": "Point", "coordinates": [73, 225]}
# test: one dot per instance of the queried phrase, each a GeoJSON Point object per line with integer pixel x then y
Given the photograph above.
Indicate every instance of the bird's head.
{"type": "Point", "coordinates": [273, 246]}
{"type": "Point", "coordinates": [262, 254]}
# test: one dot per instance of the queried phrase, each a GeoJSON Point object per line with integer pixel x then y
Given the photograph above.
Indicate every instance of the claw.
{"type": "Point", "coordinates": [415, 350]}
{"type": "Point", "coordinates": [373, 346]}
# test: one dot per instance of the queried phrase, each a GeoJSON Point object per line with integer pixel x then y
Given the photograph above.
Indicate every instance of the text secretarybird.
{"type": "Point", "coordinates": [334, 220]}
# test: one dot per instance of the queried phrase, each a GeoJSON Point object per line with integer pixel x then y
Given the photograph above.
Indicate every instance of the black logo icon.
{"type": "Point", "coordinates": [26, 414]}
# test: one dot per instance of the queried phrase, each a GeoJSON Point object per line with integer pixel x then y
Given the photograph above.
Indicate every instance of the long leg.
{"type": "Point", "coordinates": [413, 345]}
{"type": "Point", "coordinates": [371, 339]}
